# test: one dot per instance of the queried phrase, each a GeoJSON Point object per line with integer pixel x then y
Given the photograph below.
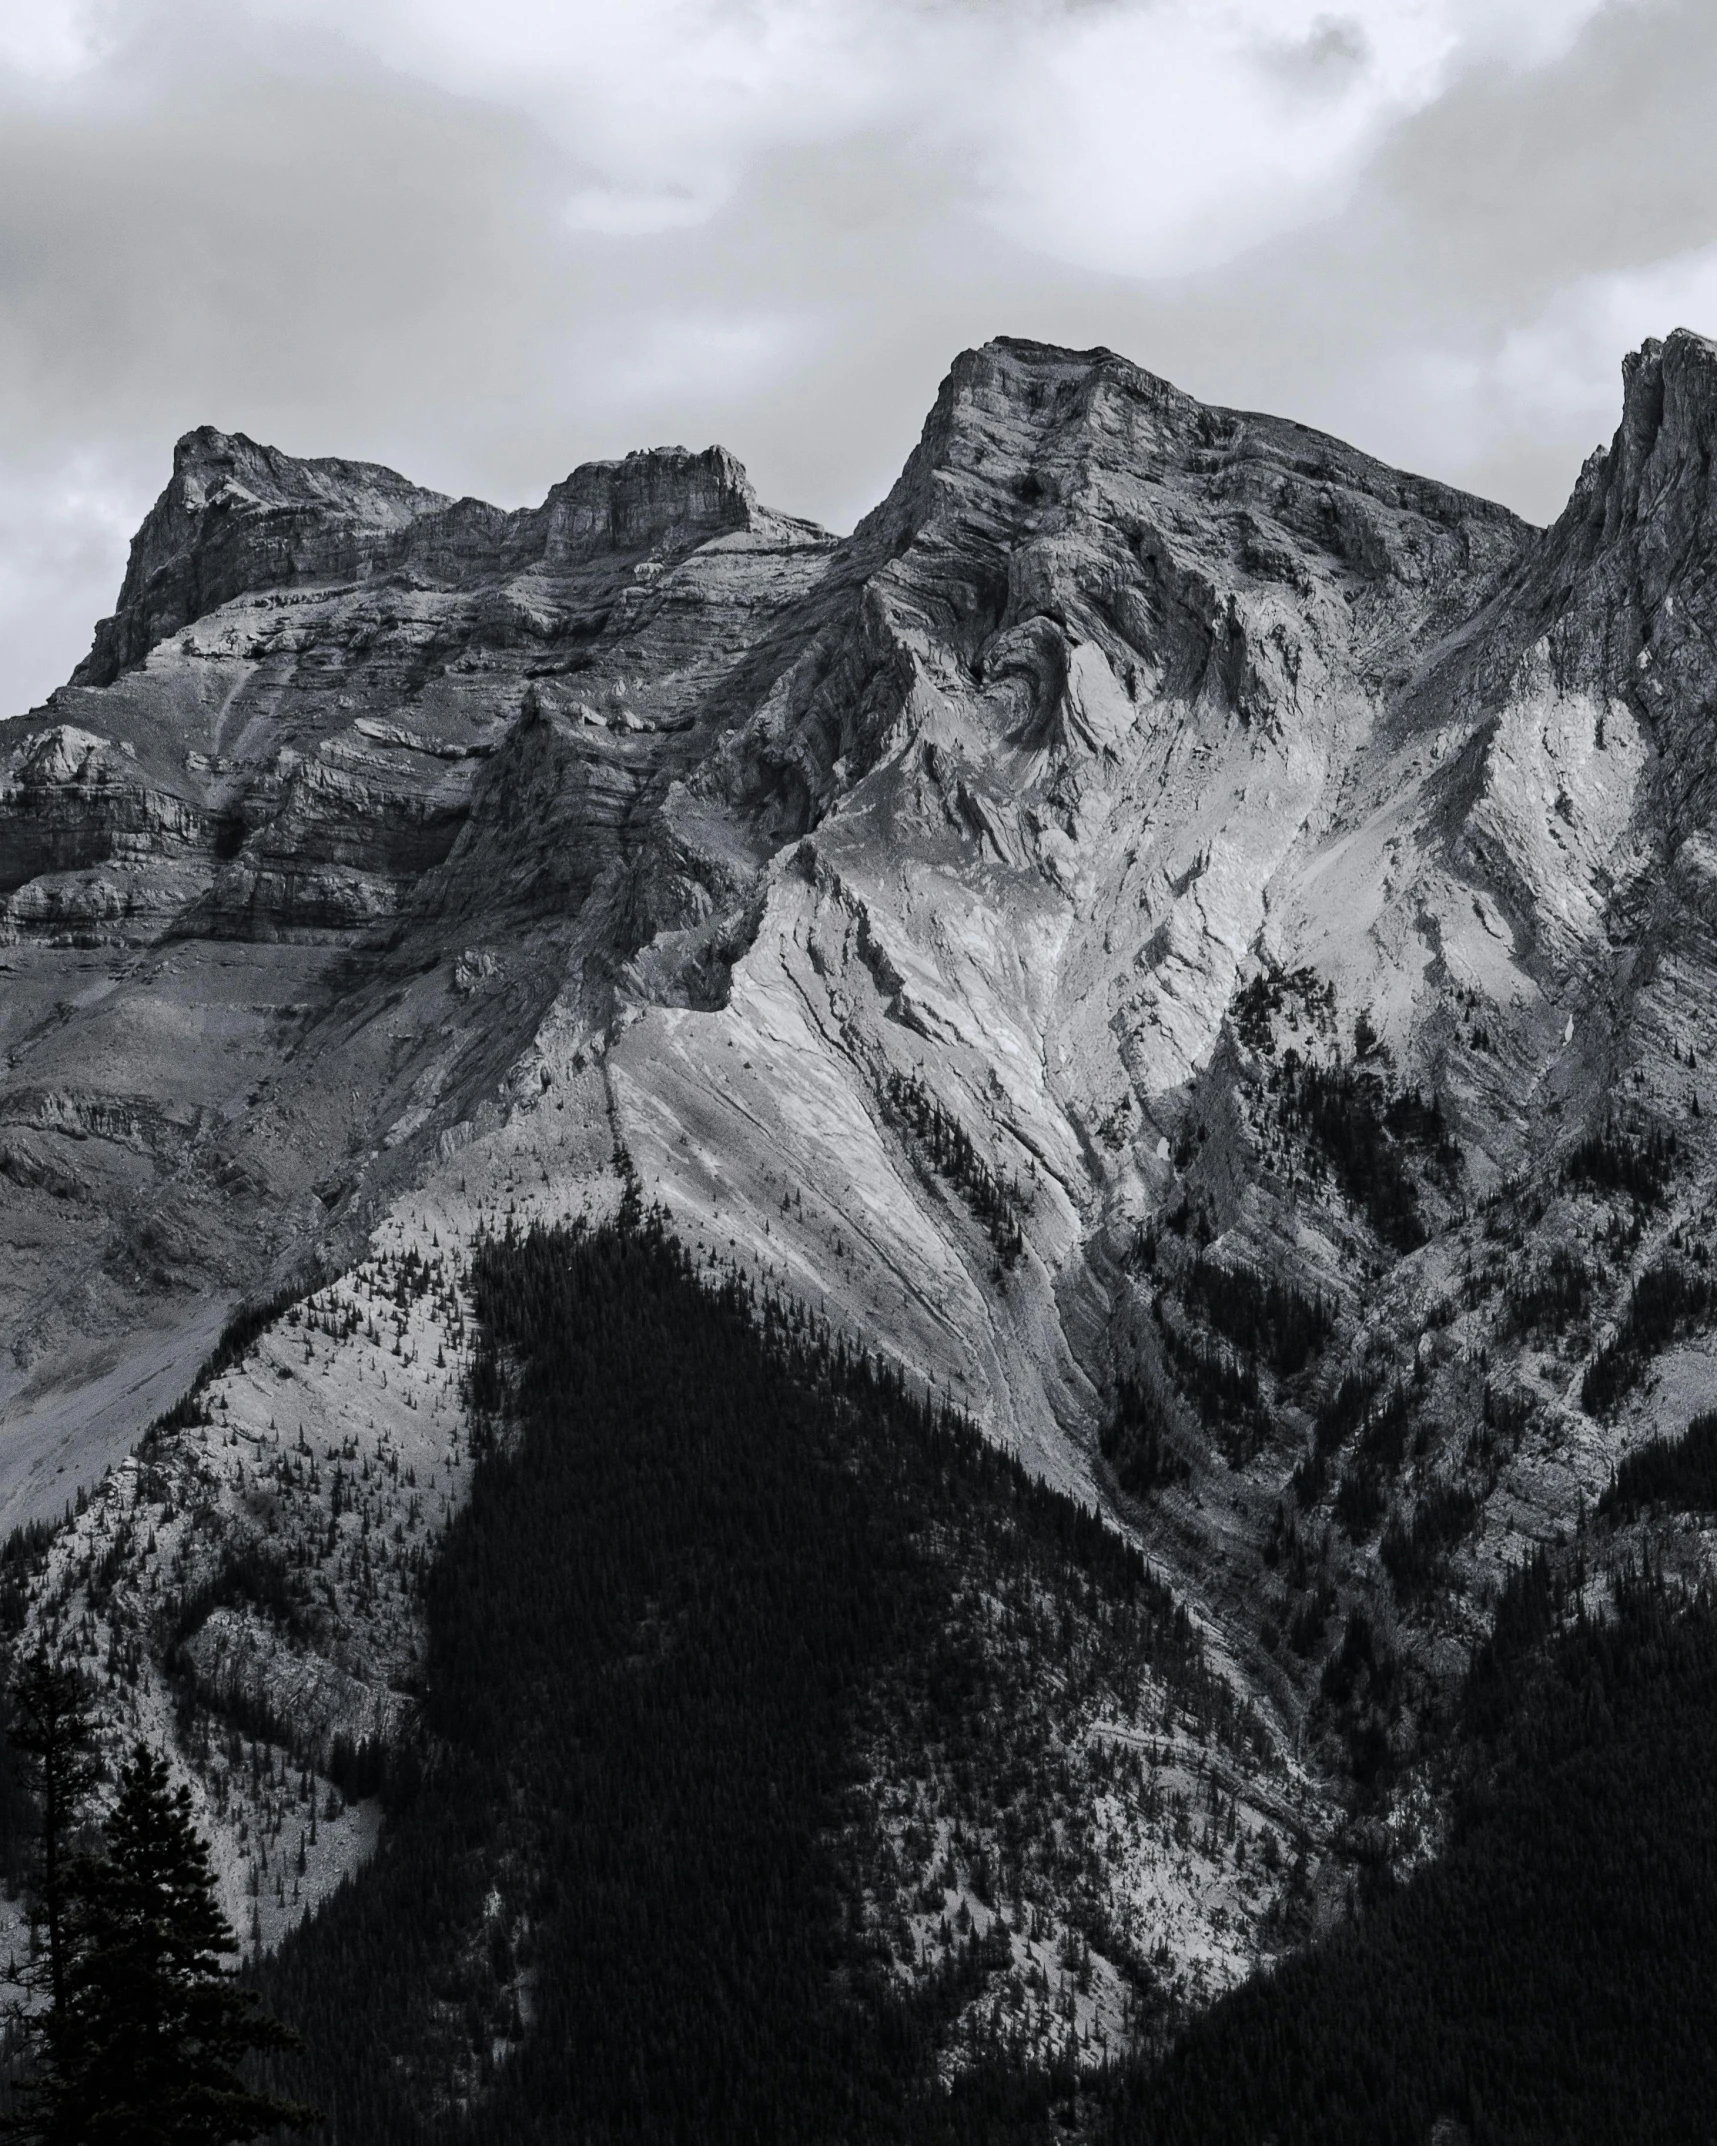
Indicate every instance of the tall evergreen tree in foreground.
{"type": "Point", "coordinates": [50, 1724]}
{"type": "Point", "coordinates": [145, 2032]}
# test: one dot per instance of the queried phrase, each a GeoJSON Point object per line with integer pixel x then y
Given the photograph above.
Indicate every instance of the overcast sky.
{"type": "Point", "coordinates": [484, 240]}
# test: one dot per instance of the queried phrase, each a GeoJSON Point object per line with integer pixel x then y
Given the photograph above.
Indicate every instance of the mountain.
{"type": "Point", "coordinates": [1195, 947]}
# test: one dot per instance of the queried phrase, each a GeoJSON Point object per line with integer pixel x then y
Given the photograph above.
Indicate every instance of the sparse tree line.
{"type": "Point", "coordinates": [1228, 1325]}
{"type": "Point", "coordinates": [993, 1201]}
{"type": "Point", "coordinates": [1546, 1980]}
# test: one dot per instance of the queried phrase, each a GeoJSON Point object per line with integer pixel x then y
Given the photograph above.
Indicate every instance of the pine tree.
{"type": "Point", "coordinates": [154, 2030]}
{"type": "Point", "coordinates": [51, 1724]}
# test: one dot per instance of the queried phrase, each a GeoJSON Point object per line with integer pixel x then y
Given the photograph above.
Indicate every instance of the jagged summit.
{"type": "Point", "coordinates": [1614, 599]}
{"type": "Point", "coordinates": [237, 516]}
{"type": "Point", "coordinates": [1669, 415]}
{"type": "Point", "coordinates": [1654, 476]}
{"type": "Point", "coordinates": [1033, 397]}
{"type": "Point", "coordinates": [211, 468]}
{"type": "Point", "coordinates": [656, 497]}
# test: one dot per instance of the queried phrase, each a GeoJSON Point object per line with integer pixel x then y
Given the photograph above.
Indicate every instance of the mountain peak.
{"type": "Point", "coordinates": [654, 497]}
{"type": "Point", "coordinates": [238, 515]}
{"type": "Point", "coordinates": [1669, 419]}
{"type": "Point", "coordinates": [1642, 517]}
{"type": "Point", "coordinates": [1191, 943]}
{"type": "Point", "coordinates": [212, 467]}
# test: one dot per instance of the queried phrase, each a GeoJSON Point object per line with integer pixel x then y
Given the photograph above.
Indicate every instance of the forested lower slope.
{"type": "Point", "coordinates": [772, 1719]}
{"type": "Point", "coordinates": [782, 1743]}
{"type": "Point", "coordinates": [1548, 1982]}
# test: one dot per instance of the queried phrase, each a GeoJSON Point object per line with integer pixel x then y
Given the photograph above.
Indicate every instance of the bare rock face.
{"type": "Point", "coordinates": [236, 517]}
{"type": "Point", "coordinates": [1199, 944]}
{"type": "Point", "coordinates": [339, 733]}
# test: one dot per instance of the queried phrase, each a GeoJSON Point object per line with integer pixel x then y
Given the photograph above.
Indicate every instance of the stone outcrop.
{"type": "Point", "coordinates": [237, 517]}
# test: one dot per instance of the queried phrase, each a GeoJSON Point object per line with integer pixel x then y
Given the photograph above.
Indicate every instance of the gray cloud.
{"type": "Point", "coordinates": [342, 246]}
{"type": "Point", "coordinates": [1319, 61]}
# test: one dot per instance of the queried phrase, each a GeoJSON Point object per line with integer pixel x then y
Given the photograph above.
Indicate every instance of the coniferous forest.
{"type": "Point", "coordinates": [1546, 1982]}
{"type": "Point", "coordinates": [623, 1895]}
{"type": "Point", "coordinates": [620, 1899]}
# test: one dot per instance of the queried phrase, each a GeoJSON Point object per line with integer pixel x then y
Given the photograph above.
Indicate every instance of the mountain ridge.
{"type": "Point", "coordinates": [238, 516]}
{"type": "Point", "coordinates": [1161, 858]}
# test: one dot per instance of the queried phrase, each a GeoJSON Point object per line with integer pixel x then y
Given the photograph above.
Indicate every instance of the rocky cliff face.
{"type": "Point", "coordinates": [339, 734]}
{"type": "Point", "coordinates": [1197, 943]}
